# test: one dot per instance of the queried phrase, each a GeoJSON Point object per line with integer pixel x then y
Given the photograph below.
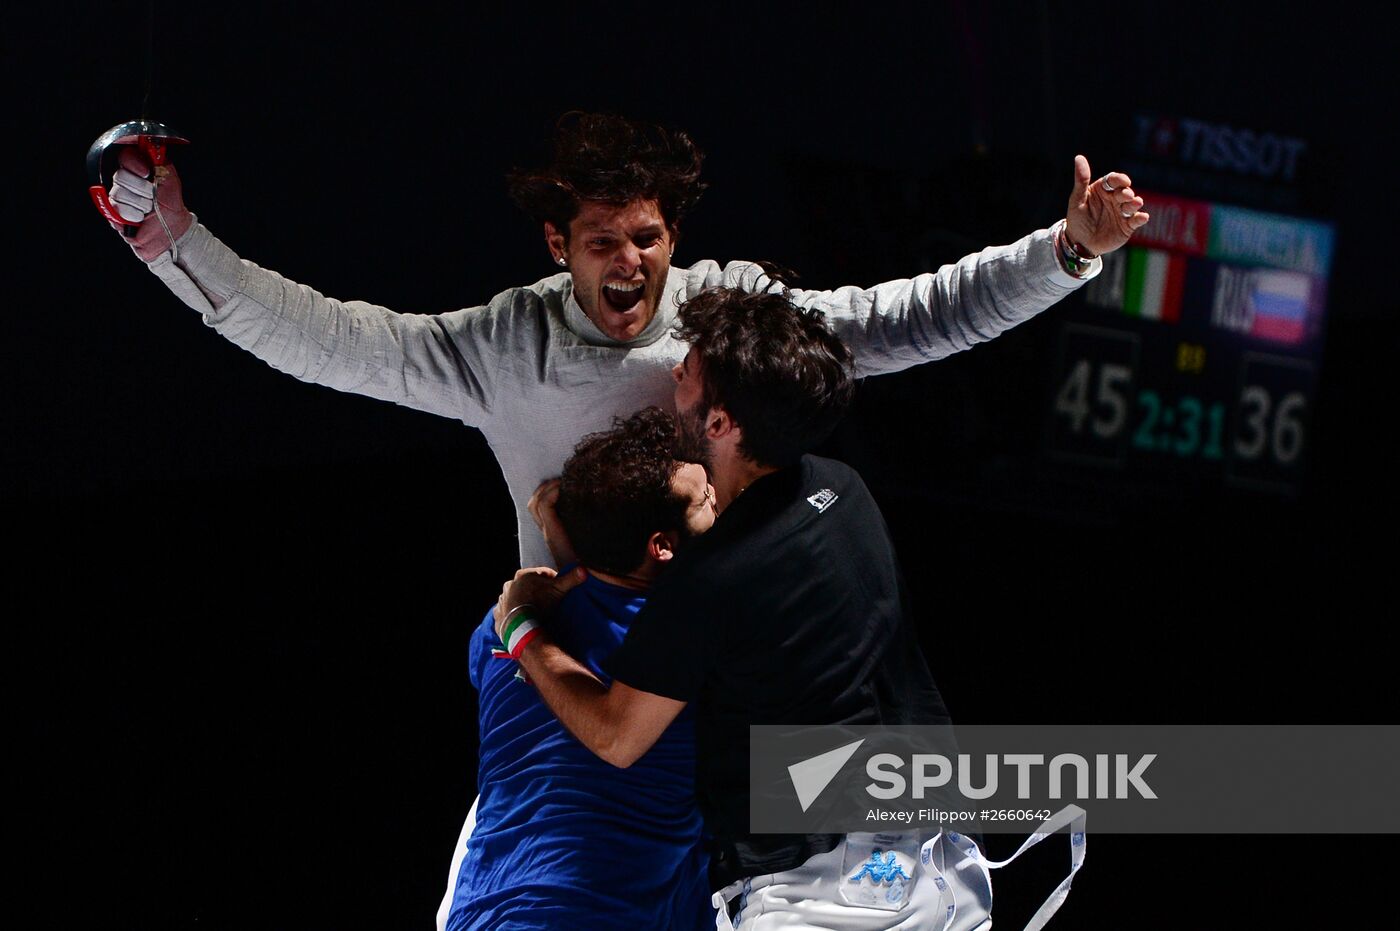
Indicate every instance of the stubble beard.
{"type": "Point", "coordinates": [690, 443]}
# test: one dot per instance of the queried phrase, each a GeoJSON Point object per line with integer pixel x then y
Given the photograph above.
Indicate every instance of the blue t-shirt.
{"type": "Point", "coordinates": [563, 839]}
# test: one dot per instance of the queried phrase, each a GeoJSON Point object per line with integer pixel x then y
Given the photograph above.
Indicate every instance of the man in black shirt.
{"type": "Point", "coordinates": [790, 611]}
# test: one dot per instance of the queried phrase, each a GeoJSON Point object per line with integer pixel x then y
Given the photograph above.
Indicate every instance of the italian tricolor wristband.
{"type": "Point", "coordinates": [519, 630]}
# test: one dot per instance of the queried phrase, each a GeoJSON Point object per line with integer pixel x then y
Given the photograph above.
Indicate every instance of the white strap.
{"type": "Point", "coordinates": [723, 897]}
{"type": "Point", "coordinates": [1071, 815]}
{"type": "Point", "coordinates": [932, 856]}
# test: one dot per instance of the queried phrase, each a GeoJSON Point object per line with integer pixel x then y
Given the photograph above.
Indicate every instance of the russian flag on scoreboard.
{"type": "Point", "coordinates": [1280, 301]}
{"type": "Point", "coordinates": [1152, 284]}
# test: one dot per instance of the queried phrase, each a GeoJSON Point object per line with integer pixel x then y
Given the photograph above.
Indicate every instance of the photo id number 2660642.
{"type": "Point", "coordinates": [1014, 814]}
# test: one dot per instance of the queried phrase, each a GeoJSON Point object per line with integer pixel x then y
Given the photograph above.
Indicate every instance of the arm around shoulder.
{"type": "Point", "coordinates": [619, 724]}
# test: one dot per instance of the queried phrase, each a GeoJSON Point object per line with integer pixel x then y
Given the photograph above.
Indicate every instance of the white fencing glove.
{"type": "Point", "coordinates": [151, 197]}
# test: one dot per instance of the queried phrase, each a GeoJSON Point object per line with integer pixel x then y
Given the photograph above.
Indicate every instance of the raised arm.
{"type": "Point", "coordinates": [444, 364]}
{"type": "Point", "coordinates": [898, 324]}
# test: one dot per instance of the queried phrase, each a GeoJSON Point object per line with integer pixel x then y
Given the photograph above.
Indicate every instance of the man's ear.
{"type": "Point", "coordinates": [718, 423]}
{"type": "Point", "coordinates": [557, 242]}
{"type": "Point", "coordinates": [661, 547]}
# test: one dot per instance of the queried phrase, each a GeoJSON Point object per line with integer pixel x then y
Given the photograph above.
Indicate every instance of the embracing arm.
{"type": "Point", "coordinates": [544, 508]}
{"type": "Point", "coordinates": [618, 723]}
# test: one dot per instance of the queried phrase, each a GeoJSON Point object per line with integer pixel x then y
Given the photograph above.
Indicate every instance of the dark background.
{"type": "Point", "coordinates": [241, 603]}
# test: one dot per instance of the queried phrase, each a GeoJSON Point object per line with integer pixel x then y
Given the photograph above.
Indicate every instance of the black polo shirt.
{"type": "Point", "coordinates": [789, 611]}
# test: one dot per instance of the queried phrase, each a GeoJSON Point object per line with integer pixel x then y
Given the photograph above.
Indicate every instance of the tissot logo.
{"type": "Point", "coordinates": [1216, 145]}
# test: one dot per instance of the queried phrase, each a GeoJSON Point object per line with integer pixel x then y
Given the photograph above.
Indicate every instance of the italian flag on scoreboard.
{"type": "Point", "coordinates": [1153, 282]}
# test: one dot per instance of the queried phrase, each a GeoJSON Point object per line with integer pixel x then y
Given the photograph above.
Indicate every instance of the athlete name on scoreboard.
{"type": "Point", "coordinates": [1256, 274]}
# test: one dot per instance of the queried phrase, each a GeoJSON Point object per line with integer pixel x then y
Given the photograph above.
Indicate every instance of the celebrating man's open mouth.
{"type": "Point", "coordinates": [620, 296]}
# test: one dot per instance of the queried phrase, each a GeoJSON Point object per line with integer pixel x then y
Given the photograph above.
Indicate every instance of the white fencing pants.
{"type": "Point", "coordinates": [457, 856]}
{"type": "Point", "coordinates": [884, 882]}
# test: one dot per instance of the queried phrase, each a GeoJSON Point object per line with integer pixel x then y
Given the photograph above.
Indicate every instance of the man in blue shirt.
{"type": "Point", "coordinates": [563, 839]}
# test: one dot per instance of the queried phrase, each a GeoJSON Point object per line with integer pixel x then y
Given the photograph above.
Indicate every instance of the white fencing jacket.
{"type": "Point", "coordinates": [534, 374]}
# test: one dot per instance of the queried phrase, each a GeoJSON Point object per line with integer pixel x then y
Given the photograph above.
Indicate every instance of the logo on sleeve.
{"type": "Point", "coordinates": [823, 499]}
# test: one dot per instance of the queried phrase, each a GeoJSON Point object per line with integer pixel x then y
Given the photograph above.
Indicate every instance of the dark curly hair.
{"type": "Point", "coordinates": [607, 158]}
{"type": "Point", "coordinates": [777, 370]}
{"type": "Point", "coordinates": [616, 491]}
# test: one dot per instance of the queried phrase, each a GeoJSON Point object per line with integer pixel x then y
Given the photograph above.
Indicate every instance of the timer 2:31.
{"type": "Point", "coordinates": [1096, 398]}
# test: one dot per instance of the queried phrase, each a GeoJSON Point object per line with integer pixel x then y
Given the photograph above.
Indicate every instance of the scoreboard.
{"type": "Point", "coordinates": [1194, 353]}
